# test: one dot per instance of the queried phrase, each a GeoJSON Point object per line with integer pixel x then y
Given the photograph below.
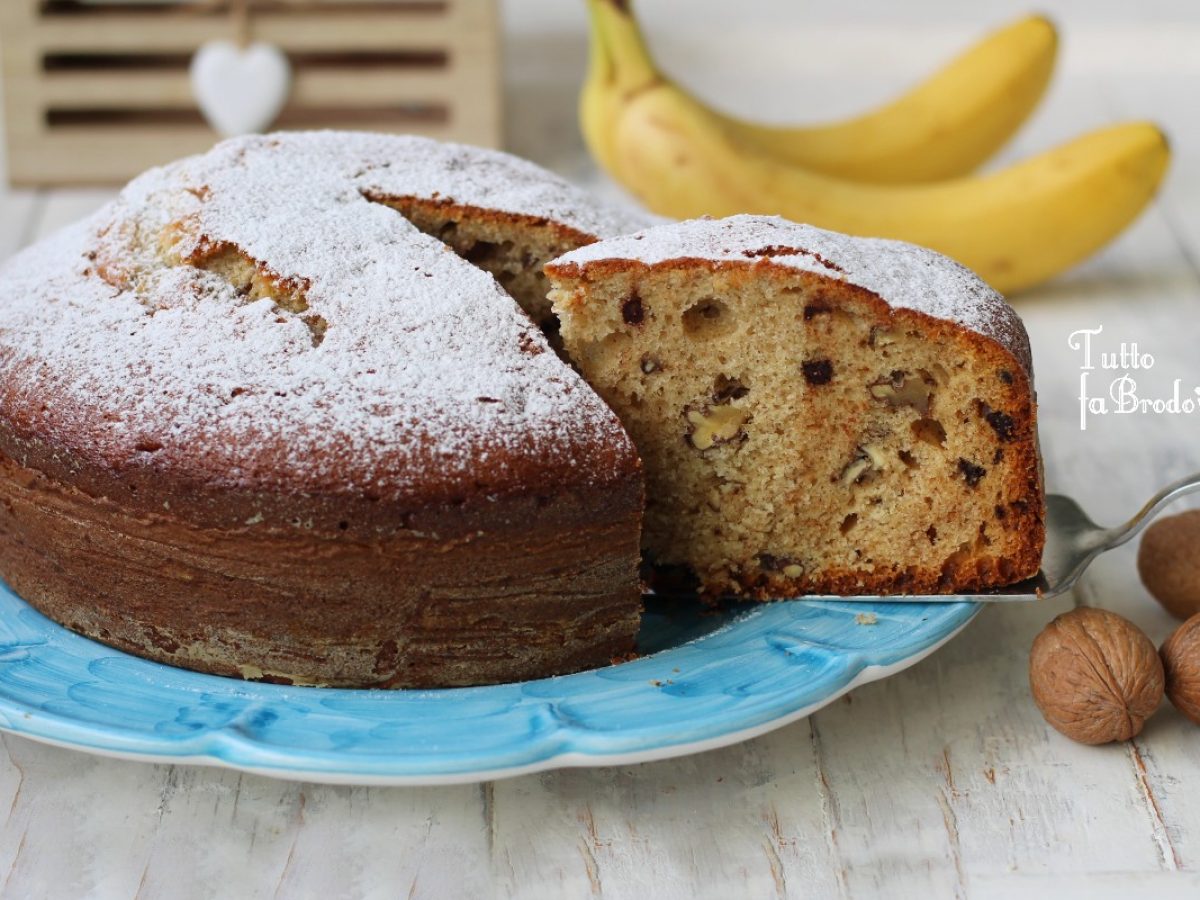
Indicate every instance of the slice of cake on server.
{"type": "Point", "coordinates": [816, 413]}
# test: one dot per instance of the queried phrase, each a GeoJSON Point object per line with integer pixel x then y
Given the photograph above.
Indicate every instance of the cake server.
{"type": "Point", "coordinates": [1073, 540]}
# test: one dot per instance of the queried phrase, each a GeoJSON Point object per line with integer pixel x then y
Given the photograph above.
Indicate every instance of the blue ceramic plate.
{"type": "Point", "coordinates": [704, 681]}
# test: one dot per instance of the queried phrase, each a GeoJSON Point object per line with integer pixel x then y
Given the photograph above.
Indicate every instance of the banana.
{"type": "Point", "coordinates": [618, 67]}
{"type": "Point", "coordinates": [1016, 227]}
{"type": "Point", "coordinates": [946, 127]}
{"type": "Point", "coordinates": [943, 128]}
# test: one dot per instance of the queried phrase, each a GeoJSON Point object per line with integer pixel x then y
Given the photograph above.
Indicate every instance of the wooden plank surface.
{"type": "Point", "coordinates": [942, 781]}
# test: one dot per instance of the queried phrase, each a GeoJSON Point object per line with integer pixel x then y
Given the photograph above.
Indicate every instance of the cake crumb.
{"type": "Point", "coordinates": [867, 618]}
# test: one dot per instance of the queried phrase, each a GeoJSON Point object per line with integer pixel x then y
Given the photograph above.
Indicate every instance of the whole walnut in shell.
{"type": "Point", "coordinates": [1095, 676]}
{"type": "Point", "coordinates": [1181, 664]}
{"type": "Point", "coordinates": [1169, 563]}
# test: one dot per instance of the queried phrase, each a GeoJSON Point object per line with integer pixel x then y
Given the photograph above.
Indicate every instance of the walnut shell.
{"type": "Point", "coordinates": [1095, 676]}
{"type": "Point", "coordinates": [1169, 563]}
{"type": "Point", "coordinates": [1181, 663]}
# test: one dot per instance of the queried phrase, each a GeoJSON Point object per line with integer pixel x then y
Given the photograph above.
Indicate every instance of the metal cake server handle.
{"type": "Point", "coordinates": [1073, 540]}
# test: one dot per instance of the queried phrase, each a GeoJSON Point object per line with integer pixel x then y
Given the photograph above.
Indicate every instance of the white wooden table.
{"type": "Point", "coordinates": [942, 781]}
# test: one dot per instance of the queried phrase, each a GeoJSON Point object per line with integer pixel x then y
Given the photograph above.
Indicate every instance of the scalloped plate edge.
{"type": "Point", "coordinates": [569, 759]}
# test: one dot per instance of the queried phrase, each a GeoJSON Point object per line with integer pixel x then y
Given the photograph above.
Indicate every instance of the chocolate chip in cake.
{"type": "Point", "coordinates": [931, 533]}
{"type": "Point", "coordinates": [1005, 376]}
{"type": "Point", "coordinates": [971, 472]}
{"type": "Point", "coordinates": [817, 371]}
{"type": "Point", "coordinates": [1002, 423]}
{"type": "Point", "coordinates": [632, 311]}
{"type": "Point", "coordinates": [812, 310]}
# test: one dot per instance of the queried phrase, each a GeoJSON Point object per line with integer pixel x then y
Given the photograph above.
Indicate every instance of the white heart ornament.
{"type": "Point", "coordinates": [240, 90]}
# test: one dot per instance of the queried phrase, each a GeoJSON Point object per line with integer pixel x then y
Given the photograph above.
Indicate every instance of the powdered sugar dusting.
{"type": "Point", "coordinates": [427, 369]}
{"type": "Point", "coordinates": [904, 275]}
{"type": "Point", "coordinates": [487, 179]}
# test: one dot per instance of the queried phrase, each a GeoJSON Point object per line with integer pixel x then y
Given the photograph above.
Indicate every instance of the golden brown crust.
{"type": "Point", "coordinates": [906, 275]}
{"type": "Point", "coordinates": [486, 592]}
{"type": "Point", "coordinates": [197, 489]}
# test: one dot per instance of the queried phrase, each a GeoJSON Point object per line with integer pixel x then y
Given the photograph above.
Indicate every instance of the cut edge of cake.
{"type": "Point", "coordinates": [816, 413]}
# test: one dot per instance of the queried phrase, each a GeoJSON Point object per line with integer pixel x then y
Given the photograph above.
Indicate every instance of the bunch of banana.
{"type": "Point", "coordinates": [902, 171]}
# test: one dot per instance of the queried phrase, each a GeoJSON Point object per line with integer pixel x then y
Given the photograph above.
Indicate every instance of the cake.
{"type": "Point", "coordinates": [270, 415]}
{"type": "Point", "coordinates": [816, 413]}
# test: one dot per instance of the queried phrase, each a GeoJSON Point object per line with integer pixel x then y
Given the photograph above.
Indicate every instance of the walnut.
{"type": "Point", "coordinates": [788, 567]}
{"type": "Point", "coordinates": [901, 388]}
{"type": "Point", "coordinates": [713, 425]}
{"type": "Point", "coordinates": [1095, 676]}
{"type": "Point", "coordinates": [1169, 563]}
{"type": "Point", "coordinates": [867, 463]}
{"type": "Point", "coordinates": [1181, 664]}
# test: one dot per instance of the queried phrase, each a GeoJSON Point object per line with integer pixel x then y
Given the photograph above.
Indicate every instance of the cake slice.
{"type": "Point", "coordinates": [500, 213]}
{"type": "Point", "coordinates": [816, 413]}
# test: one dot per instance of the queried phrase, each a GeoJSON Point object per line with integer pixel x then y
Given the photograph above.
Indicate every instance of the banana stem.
{"type": "Point", "coordinates": [618, 51]}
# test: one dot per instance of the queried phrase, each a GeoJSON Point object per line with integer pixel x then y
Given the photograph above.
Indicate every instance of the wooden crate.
{"type": "Point", "coordinates": [98, 91]}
